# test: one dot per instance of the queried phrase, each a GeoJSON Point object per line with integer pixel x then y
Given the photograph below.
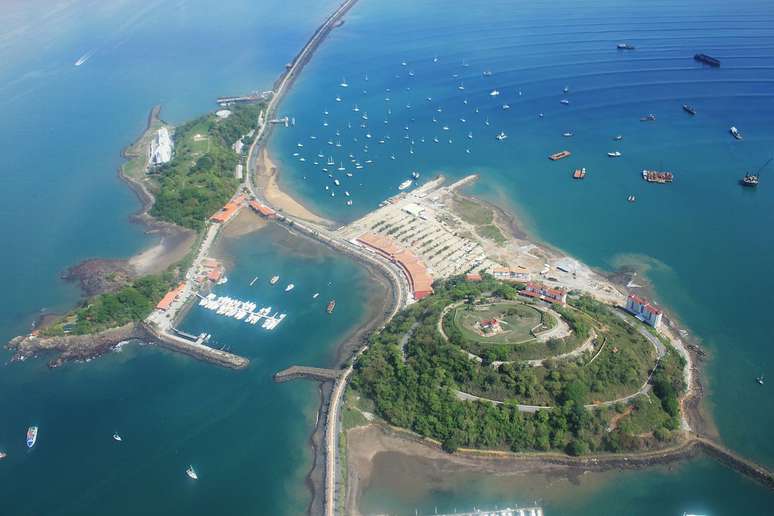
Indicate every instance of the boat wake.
{"type": "Point", "coordinates": [85, 57]}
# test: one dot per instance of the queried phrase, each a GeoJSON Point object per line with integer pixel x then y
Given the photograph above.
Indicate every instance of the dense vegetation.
{"type": "Point", "coordinates": [131, 303]}
{"type": "Point", "coordinates": [200, 178]}
{"type": "Point", "coordinates": [420, 392]}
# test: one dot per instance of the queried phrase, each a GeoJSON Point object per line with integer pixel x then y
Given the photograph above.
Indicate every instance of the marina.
{"type": "Point", "coordinates": [241, 310]}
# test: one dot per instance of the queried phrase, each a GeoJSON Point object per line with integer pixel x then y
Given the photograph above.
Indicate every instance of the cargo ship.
{"type": "Point", "coordinates": [559, 155]}
{"type": "Point", "coordinates": [704, 58]}
{"type": "Point", "coordinates": [689, 109]}
{"type": "Point", "coordinates": [653, 176]}
{"type": "Point", "coordinates": [32, 436]}
{"type": "Point", "coordinates": [579, 173]}
{"type": "Point", "coordinates": [331, 306]}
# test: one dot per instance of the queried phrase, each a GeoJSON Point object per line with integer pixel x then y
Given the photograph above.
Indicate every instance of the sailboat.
{"type": "Point", "coordinates": [344, 83]}
{"type": "Point", "coordinates": [191, 472]}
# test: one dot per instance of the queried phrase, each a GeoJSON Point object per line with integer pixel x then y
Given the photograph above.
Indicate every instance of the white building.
{"type": "Point", "coordinates": [238, 171]}
{"type": "Point", "coordinates": [644, 311]}
{"type": "Point", "coordinates": [161, 147]}
{"type": "Point", "coordinates": [505, 274]}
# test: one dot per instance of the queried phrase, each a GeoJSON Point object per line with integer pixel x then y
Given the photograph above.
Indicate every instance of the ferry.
{"type": "Point", "coordinates": [405, 184]}
{"type": "Point", "coordinates": [653, 176]}
{"type": "Point", "coordinates": [331, 306]}
{"type": "Point", "coordinates": [191, 472]}
{"type": "Point", "coordinates": [624, 46]}
{"type": "Point", "coordinates": [502, 136]}
{"type": "Point", "coordinates": [274, 280]}
{"type": "Point", "coordinates": [117, 437]}
{"type": "Point", "coordinates": [32, 436]}
{"type": "Point", "coordinates": [289, 287]}
{"type": "Point", "coordinates": [689, 109]}
{"type": "Point", "coordinates": [559, 155]}
{"type": "Point", "coordinates": [704, 58]}
{"type": "Point", "coordinates": [579, 173]}
{"type": "Point", "coordinates": [614, 154]}
{"type": "Point", "coordinates": [735, 133]}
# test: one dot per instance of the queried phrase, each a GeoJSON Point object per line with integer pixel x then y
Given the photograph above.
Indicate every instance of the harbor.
{"type": "Point", "coordinates": [241, 310]}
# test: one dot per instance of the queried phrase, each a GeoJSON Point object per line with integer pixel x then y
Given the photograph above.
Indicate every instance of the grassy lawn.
{"type": "Point", "coordinates": [516, 321]}
{"type": "Point", "coordinates": [491, 232]}
{"type": "Point", "coordinates": [473, 212]}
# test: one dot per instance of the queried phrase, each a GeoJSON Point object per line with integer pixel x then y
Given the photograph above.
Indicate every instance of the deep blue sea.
{"type": "Point", "coordinates": [704, 242]}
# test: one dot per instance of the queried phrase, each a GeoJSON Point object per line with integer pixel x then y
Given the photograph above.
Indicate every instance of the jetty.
{"type": "Point", "coordinates": [313, 373]}
{"type": "Point", "coordinates": [515, 511]}
{"type": "Point", "coordinates": [196, 347]}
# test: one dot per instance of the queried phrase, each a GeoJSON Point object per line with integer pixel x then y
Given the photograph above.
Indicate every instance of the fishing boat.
{"type": "Point", "coordinates": [274, 280]}
{"type": "Point", "coordinates": [579, 173]}
{"type": "Point", "coordinates": [689, 109]}
{"type": "Point", "coordinates": [735, 133]}
{"type": "Point", "coordinates": [191, 472]}
{"type": "Point", "coordinates": [405, 184]}
{"type": "Point", "coordinates": [753, 178]}
{"type": "Point", "coordinates": [502, 136]}
{"type": "Point", "coordinates": [614, 154]}
{"type": "Point", "coordinates": [289, 287]}
{"type": "Point", "coordinates": [32, 436]}
{"type": "Point", "coordinates": [117, 437]}
{"type": "Point", "coordinates": [331, 306]}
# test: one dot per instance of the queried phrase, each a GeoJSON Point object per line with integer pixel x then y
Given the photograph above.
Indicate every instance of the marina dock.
{"type": "Point", "coordinates": [526, 511]}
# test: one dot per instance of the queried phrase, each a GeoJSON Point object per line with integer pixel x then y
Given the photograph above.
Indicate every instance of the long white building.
{"type": "Point", "coordinates": [644, 311]}
{"type": "Point", "coordinates": [161, 147]}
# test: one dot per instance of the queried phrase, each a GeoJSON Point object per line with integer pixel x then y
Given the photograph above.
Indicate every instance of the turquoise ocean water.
{"type": "Point", "coordinates": [708, 243]}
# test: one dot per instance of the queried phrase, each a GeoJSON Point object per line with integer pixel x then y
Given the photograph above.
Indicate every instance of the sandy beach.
{"type": "Point", "coordinates": [266, 180]}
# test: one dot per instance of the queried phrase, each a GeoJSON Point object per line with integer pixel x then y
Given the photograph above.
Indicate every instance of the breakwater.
{"type": "Point", "coordinates": [314, 373]}
{"type": "Point", "coordinates": [198, 350]}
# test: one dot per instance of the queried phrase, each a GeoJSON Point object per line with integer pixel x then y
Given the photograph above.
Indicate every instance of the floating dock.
{"type": "Point", "coordinates": [241, 310]}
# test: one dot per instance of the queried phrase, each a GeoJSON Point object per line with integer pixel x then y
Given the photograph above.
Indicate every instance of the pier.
{"type": "Point", "coordinates": [197, 349]}
{"type": "Point", "coordinates": [244, 99]}
{"type": "Point", "coordinates": [313, 373]}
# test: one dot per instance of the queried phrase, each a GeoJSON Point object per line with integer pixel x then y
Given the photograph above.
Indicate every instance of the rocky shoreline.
{"type": "Point", "coordinates": [74, 347]}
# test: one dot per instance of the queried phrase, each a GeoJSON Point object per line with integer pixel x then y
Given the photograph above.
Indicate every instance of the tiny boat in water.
{"type": "Point", "coordinates": [191, 472]}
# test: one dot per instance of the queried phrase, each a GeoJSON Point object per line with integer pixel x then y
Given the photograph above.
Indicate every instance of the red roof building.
{"type": "Point", "coordinates": [419, 279]}
{"type": "Point", "coordinates": [538, 291]}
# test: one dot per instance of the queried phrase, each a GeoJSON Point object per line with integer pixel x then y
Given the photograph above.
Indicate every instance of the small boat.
{"type": "Point", "coordinates": [191, 472]}
{"type": "Point", "coordinates": [502, 136]}
{"type": "Point", "coordinates": [565, 101]}
{"type": "Point", "coordinates": [343, 83]}
{"type": "Point", "coordinates": [760, 380]}
{"type": "Point", "coordinates": [704, 58]}
{"type": "Point", "coordinates": [494, 93]}
{"type": "Point", "coordinates": [624, 46]}
{"type": "Point", "coordinates": [506, 107]}
{"type": "Point", "coordinates": [487, 73]}
{"type": "Point", "coordinates": [415, 175]}
{"type": "Point", "coordinates": [117, 437]}
{"type": "Point", "coordinates": [735, 133]}
{"type": "Point", "coordinates": [559, 155]}
{"type": "Point", "coordinates": [349, 202]}
{"type": "Point", "coordinates": [567, 134]}
{"type": "Point", "coordinates": [689, 109]}
{"type": "Point", "coordinates": [32, 436]}
{"type": "Point", "coordinates": [331, 306]}
{"type": "Point", "coordinates": [566, 89]}
{"type": "Point", "coordinates": [618, 138]}
{"type": "Point", "coordinates": [274, 280]}
{"type": "Point", "coordinates": [289, 287]}
{"type": "Point", "coordinates": [648, 118]}
{"type": "Point", "coordinates": [405, 184]}
{"type": "Point", "coordinates": [752, 179]}
{"type": "Point", "coordinates": [316, 295]}
{"type": "Point", "coordinates": [614, 154]}
{"type": "Point", "coordinates": [579, 173]}
{"type": "Point", "coordinates": [631, 198]}
{"type": "Point", "coordinates": [2, 455]}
